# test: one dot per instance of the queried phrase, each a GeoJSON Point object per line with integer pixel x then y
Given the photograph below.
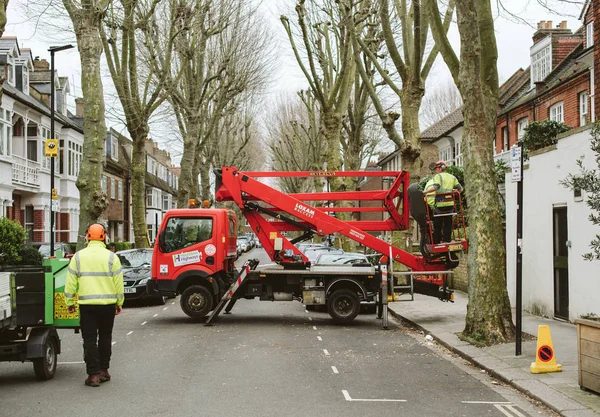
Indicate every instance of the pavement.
{"type": "Point", "coordinates": [559, 391]}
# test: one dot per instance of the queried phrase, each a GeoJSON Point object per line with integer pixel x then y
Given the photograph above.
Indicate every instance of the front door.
{"type": "Point", "coordinates": [561, 263]}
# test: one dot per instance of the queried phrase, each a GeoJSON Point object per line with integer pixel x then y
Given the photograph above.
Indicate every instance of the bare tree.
{"type": "Point", "coordinates": [328, 66]}
{"type": "Point", "coordinates": [489, 316]}
{"type": "Point", "coordinates": [128, 34]}
{"type": "Point", "coordinates": [86, 17]}
{"type": "Point", "coordinates": [411, 59]}
{"type": "Point", "coordinates": [439, 103]}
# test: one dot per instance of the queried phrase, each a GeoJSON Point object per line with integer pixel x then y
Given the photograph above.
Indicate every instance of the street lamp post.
{"type": "Point", "coordinates": [52, 50]}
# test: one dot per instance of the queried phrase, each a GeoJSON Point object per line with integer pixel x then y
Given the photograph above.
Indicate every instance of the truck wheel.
{"type": "Point", "coordinates": [196, 301]}
{"type": "Point", "coordinates": [45, 367]}
{"type": "Point", "coordinates": [343, 305]}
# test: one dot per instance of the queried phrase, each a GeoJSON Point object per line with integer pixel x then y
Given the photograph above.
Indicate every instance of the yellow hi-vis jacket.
{"type": "Point", "coordinates": [445, 183]}
{"type": "Point", "coordinates": [95, 274]}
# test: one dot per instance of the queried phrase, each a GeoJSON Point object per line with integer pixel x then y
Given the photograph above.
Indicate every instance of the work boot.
{"type": "Point", "coordinates": [93, 381]}
{"type": "Point", "coordinates": [104, 375]}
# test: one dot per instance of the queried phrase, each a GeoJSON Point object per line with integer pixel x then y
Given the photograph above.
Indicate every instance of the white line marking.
{"type": "Point", "coordinates": [165, 308]}
{"type": "Point", "coordinates": [486, 402]}
{"type": "Point", "coordinates": [319, 338]}
{"type": "Point", "coordinates": [155, 315]}
{"type": "Point", "coordinates": [306, 311]}
{"type": "Point", "coordinates": [334, 369]}
{"type": "Point", "coordinates": [514, 410]}
{"type": "Point", "coordinates": [129, 332]}
{"type": "Point", "coordinates": [144, 323]}
{"type": "Point", "coordinates": [113, 343]}
{"type": "Point", "coordinates": [70, 363]}
{"type": "Point", "coordinates": [325, 352]}
{"type": "Point", "coordinates": [348, 398]}
{"type": "Point", "coordinates": [314, 327]}
{"type": "Point", "coordinates": [171, 304]}
{"type": "Point", "coordinates": [310, 319]}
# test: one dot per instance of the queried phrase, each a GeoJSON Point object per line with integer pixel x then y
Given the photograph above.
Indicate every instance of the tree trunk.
{"type": "Point", "coordinates": [206, 193]}
{"type": "Point", "coordinates": [92, 201]}
{"type": "Point", "coordinates": [186, 183]}
{"type": "Point", "coordinates": [138, 188]}
{"type": "Point", "coordinates": [331, 128]}
{"type": "Point", "coordinates": [489, 316]}
{"type": "Point", "coordinates": [410, 100]}
{"type": "Point", "coordinates": [3, 6]}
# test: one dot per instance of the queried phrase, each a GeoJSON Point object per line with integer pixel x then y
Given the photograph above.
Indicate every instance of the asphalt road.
{"type": "Point", "coordinates": [265, 359]}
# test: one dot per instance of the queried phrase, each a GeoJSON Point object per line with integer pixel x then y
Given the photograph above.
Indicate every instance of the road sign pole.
{"type": "Point", "coordinates": [518, 160]}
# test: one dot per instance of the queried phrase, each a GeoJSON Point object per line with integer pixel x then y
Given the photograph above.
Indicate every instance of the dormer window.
{"type": "Point", "coordinates": [10, 76]}
{"type": "Point", "coordinates": [25, 79]}
{"type": "Point", "coordinates": [541, 60]}
{"type": "Point", "coordinates": [589, 34]}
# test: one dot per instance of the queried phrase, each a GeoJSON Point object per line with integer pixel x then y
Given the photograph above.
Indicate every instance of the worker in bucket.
{"type": "Point", "coordinates": [95, 274]}
{"type": "Point", "coordinates": [439, 190]}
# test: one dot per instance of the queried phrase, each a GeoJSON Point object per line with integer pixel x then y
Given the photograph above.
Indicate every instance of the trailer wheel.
{"type": "Point", "coordinates": [343, 305]}
{"type": "Point", "coordinates": [196, 301]}
{"type": "Point", "coordinates": [45, 367]}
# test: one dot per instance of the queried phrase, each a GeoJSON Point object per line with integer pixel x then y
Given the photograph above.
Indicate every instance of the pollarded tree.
{"type": "Point", "coordinates": [489, 316]}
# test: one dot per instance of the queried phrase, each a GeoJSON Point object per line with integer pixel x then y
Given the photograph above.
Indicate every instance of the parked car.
{"type": "Point", "coordinates": [44, 248]}
{"type": "Point", "coordinates": [244, 243]}
{"type": "Point", "coordinates": [137, 265]}
{"type": "Point", "coordinates": [347, 258]}
{"type": "Point", "coordinates": [312, 253]}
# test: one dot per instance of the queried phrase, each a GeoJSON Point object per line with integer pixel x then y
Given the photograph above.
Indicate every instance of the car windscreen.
{"type": "Point", "coordinates": [312, 254]}
{"type": "Point", "coordinates": [135, 259]}
{"type": "Point", "coordinates": [329, 258]}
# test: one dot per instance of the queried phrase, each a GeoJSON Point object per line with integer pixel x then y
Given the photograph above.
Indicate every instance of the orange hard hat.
{"type": "Point", "coordinates": [439, 164]}
{"type": "Point", "coordinates": [96, 232]}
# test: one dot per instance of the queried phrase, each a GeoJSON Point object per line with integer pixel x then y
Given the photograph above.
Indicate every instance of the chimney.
{"type": "Point", "coordinates": [542, 24]}
{"type": "Point", "coordinates": [41, 65]}
{"type": "Point", "coordinates": [563, 25]}
{"type": "Point", "coordinates": [79, 107]}
{"type": "Point", "coordinates": [549, 24]}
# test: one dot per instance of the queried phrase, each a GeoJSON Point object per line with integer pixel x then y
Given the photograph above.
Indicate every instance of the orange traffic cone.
{"type": "Point", "coordinates": [544, 358]}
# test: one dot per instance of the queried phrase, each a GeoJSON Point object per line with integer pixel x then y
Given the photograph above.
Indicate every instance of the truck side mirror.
{"type": "Point", "coordinates": [161, 240]}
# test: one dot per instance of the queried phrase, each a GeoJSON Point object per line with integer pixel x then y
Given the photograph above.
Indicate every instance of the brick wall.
{"type": "Point", "coordinates": [64, 220]}
{"type": "Point", "coordinates": [115, 209]}
{"type": "Point", "coordinates": [596, 18]}
{"type": "Point", "coordinates": [568, 93]}
{"type": "Point", "coordinates": [563, 46]}
{"type": "Point", "coordinates": [38, 224]}
{"type": "Point", "coordinates": [372, 183]}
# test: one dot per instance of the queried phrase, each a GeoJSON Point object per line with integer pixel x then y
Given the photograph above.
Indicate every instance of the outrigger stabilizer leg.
{"type": "Point", "coordinates": [229, 295]}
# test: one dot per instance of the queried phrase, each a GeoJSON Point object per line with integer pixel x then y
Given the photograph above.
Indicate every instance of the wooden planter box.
{"type": "Point", "coordinates": [588, 348]}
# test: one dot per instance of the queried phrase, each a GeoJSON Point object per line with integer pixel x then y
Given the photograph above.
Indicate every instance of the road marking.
{"type": "Point", "coordinates": [325, 352]}
{"type": "Point", "coordinates": [314, 327]}
{"type": "Point", "coordinates": [129, 332]}
{"type": "Point", "coordinates": [310, 319]}
{"type": "Point", "coordinates": [335, 371]}
{"type": "Point", "coordinates": [486, 402]}
{"type": "Point", "coordinates": [306, 311]}
{"type": "Point", "coordinates": [319, 338]}
{"type": "Point", "coordinates": [348, 398]}
{"type": "Point", "coordinates": [171, 304]}
{"type": "Point", "coordinates": [69, 363]}
{"type": "Point", "coordinates": [113, 343]}
{"type": "Point", "coordinates": [165, 308]}
{"type": "Point", "coordinates": [144, 323]}
{"type": "Point", "coordinates": [155, 315]}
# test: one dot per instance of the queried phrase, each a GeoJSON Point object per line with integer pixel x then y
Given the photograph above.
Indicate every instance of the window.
{"type": "Point", "coordinates": [25, 79]}
{"type": "Point", "coordinates": [446, 154]}
{"type": "Point", "coordinates": [556, 113]}
{"type": "Point", "coordinates": [589, 34]}
{"type": "Point", "coordinates": [120, 194]}
{"type": "Point", "coordinates": [114, 149]}
{"type": "Point", "coordinates": [45, 135]}
{"type": "Point", "coordinates": [521, 126]}
{"type": "Point", "coordinates": [120, 230]}
{"type": "Point", "coordinates": [113, 188]}
{"type": "Point", "coordinates": [11, 70]}
{"type": "Point", "coordinates": [504, 139]}
{"type": "Point", "coordinates": [5, 127]}
{"type": "Point", "coordinates": [32, 150]}
{"type": "Point", "coordinates": [74, 157]}
{"type": "Point", "coordinates": [541, 61]}
{"type": "Point", "coordinates": [458, 159]}
{"type": "Point", "coordinates": [166, 202]}
{"type": "Point", "coordinates": [184, 232]}
{"type": "Point", "coordinates": [32, 129]}
{"type": "Point", "coordinates": [583, 108]}
{"type": "Point", "coordinates": [104, 184]}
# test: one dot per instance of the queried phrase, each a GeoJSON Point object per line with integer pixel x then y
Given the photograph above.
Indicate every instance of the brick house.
{"type": "Point", "coordinates": [116, 183]}
{"type": "Point", "coordinates": [25, 193]}
{"type": "Point", "coordinates": [561, 84]}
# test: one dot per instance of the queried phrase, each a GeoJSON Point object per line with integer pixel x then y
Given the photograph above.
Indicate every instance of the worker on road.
{"type": "Point", "coordinates": [95, 275]}
{"type": "Point", "coordinates": [438, 190]}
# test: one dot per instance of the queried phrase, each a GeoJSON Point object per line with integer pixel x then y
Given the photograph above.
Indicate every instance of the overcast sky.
{"type": "Point", "coordinates": [513, 38]}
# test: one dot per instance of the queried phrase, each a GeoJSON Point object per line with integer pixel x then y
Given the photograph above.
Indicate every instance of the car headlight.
{"type": "Point", "coordinates": [145, 280]}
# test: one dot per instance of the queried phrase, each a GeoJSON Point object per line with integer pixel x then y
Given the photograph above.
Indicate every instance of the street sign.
{"type": "Point", "coordinates": [51, 148]}
{"type": "Point", "coordinates": [54, 194]}
{"type": "Point", "coordinates": [55, 205]}
{"type": "Point", "coordinates": [515, 163]}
